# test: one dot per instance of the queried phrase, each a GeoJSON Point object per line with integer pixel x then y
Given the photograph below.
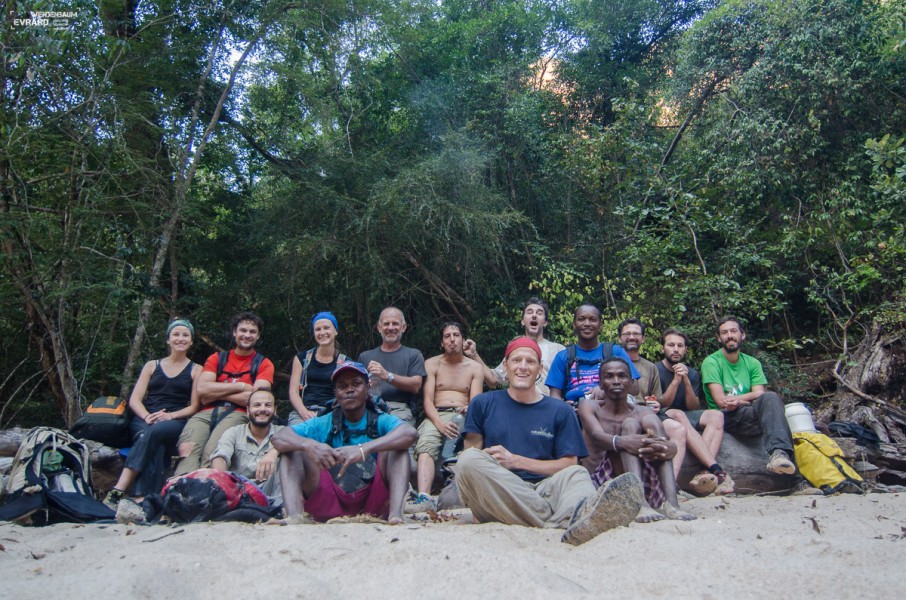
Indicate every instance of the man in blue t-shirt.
{"type": "Point", "coordinates": [520, 465]}
{"type": "Point", "coordinates": [351, 461]}
{"type": "Point", "coordinates": [572, 382]}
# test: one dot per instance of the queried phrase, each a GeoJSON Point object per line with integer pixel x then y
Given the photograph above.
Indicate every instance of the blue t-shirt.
{"type": "Point", "coordinates": [584, 374]}
{"type": "Point", "coordinates": [318, 429]}
{"type": "Point", "coordinates": [545, 430]}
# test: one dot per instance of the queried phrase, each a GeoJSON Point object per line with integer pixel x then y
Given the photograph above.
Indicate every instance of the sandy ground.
{"type": "Point", "coordinates": [844, 546]}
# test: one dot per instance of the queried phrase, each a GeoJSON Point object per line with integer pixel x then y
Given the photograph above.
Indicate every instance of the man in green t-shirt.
{"type": "Point", "coordinates": [735, 383]}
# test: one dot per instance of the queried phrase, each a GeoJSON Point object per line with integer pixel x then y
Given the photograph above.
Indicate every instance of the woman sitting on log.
{"type": "Point", "coordinates": [310, 388]}
{"type": "Point", "coordinates": [162, 400]}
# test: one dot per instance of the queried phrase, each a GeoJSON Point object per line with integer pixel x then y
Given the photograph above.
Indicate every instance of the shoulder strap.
{"type": "Point", "coordinates": [570, 361]}
{"type": "Point", "coordinates": [607, 351]}
{"type": "Point", "coordinates": [222, 358]}
{"type": "Point", "coordinates": [306, 360]}
{"type": "Point", "coordinates": [256, 363]}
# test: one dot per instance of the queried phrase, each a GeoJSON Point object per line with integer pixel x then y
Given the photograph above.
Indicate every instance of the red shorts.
{"type": "Point", "coordinates": [330, 501]}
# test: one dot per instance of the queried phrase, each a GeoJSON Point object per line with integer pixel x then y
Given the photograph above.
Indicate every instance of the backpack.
{"type": "Point", "coordinates": [209, 495]}
{"type": "Point", "coordinates": [571, 359]}
{"type": "Point", "coordinates": [105, 421]}
{"type": "Point", "coordinates": [864, 436]}
{"type": "Point", "coordinates": [223, 357]}
{"type": "Point", "coordinates": [50, 481]}
{"type": "Point", "coordinates": [306, 360]}
{"type": "Point", "coordinates": [821, 461]}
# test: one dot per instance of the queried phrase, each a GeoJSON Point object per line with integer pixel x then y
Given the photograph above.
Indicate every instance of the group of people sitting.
{"type": "Point", "coordinates": [585, 438]}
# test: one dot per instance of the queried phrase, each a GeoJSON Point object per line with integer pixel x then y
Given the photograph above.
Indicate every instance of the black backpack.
{"type": "Point", "coordinates": [223, 357]}
{"type": "Point", "coordinates": [105, 421]}
{"type": "Point", "coordinates": [571, 359]}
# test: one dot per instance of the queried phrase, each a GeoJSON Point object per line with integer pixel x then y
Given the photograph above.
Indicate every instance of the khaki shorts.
{"type": "Point", "coordinates": [430, 440]}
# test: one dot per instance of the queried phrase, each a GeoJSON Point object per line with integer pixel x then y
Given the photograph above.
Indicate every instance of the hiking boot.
{"type": "Point", "coordinates": [614, 504]}
{"type": "Point", "coordinates": [421, 503]}
{"type": "Point", "coordinates": [704, 483]}
{"type": "Point", "coordinates": [804, 488]}
{"type": "Point", "coordinates": [113, 498]}
{"type": "Point", "coordinates": [725, 484]}
{"type": "Point", "coordinates": [780, 463]}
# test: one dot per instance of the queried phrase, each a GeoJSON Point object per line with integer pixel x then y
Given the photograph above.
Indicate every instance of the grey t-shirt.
{"type": "Point", "coordinates": [403, 361]}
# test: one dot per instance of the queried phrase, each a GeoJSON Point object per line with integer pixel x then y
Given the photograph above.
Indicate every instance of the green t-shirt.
{"type": "Point", "coordinates": [736, 379]}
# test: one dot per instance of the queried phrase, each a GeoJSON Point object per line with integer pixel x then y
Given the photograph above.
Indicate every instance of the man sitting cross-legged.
{"type": "Point", "coordinates": [351, 461]}
{"type": "Point", "coordinates": [682, 391]}
{"type": "Point", "coordinates": [453, 380]}
{"type": "Point", "coordinates": [628, 438]}
{"type": "Point", "coordinates": [520, 463]}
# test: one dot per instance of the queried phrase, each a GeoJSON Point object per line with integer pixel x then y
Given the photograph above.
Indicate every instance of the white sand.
{"type": "Point", "coordinates": [738, 548]}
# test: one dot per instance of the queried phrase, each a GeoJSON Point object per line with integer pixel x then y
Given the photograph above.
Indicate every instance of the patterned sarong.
{"type": "Point", "coordinates": [654, 492]}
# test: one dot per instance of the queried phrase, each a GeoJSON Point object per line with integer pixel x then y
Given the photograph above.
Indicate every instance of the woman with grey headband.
{"type": "Point", "coordinates": [162, 399]}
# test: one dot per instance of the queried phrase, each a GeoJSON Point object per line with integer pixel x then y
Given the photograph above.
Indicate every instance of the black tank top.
{"type": "Point", "coordinates": [171, 393]}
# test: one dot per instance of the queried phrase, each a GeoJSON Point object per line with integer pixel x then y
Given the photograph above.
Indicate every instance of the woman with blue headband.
{"type": "Point", "coordinates": [161, 402]}
{"type": "Point", "coordinates": [310, 387]}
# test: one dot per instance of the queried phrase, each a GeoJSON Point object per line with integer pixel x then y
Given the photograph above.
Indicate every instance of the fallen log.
{"type": "Point", "coordinates": [745, 459]}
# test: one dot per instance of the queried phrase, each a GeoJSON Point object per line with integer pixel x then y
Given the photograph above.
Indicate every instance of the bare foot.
{"type": "Point", "coordinates": [649, 515]}
{"type": "Point", "coordinates": [395, 521]}
{"type": "Point", "coordinates": [290, 520]}
{"type": "Point", "coordinates": [677, 514]}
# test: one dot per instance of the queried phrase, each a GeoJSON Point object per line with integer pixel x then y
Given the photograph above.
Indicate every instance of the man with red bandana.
{"type": "Point", "coordinates": [520, 465]}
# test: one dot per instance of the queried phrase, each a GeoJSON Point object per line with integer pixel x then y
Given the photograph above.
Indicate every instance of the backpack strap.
{"type": "Point", "coordinates": [222, 358]}
{"type": "Point", "coordinates": [256, 364]}
{"type": "Point", "coordinates": [570, 361]}
{"type": "Point", "coordinates": [606, 351]}
{"type": "Point", "coordinates": [305, 360]}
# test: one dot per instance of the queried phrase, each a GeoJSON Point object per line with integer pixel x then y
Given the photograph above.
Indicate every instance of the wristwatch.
{"type": "Point", "coordinates": [390, 377]}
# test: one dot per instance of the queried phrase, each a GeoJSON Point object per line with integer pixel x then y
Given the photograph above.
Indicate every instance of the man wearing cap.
{"type": "Point", "coordinates": [224, 388]}
{"type": "Point", "coordinates": [353, 460]}
{"type": "Point", "coordinates": [521, 466]}
{"type": "Point", "coordinates": [534, 320]}
{"type": "Point", "coordinates": [400, 369]}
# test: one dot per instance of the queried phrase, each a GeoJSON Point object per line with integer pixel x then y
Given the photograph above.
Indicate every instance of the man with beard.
{"type": "Point", "coordinates": [631, 334]}
{"type": "Point", "coordinates": [574, 372]}
{"type": "Point", "coordinates": [351, 461]}
{"type": "Point", "coordinates": [534, 321]}
{"type": "Point", "coordinates": [453, 380]}
{"type": "Point", "coordinates": [400, 369]}
{"type": "Point", "coordinates": [735, 383]}
{"type": "Point", "coordinates": [224, 388]}
{"type": "Point", "coordinates": [681, 387]}
{"type": "Point", "coordinates": [520, 462]}
{"type": "Point", "coordinates": [628, 438]}
{"type": "Point", "coordinates": [247, 450]}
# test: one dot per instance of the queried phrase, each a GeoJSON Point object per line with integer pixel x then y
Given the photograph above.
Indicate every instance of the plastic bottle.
{"type": "Point", "coordinates": [449, 449]}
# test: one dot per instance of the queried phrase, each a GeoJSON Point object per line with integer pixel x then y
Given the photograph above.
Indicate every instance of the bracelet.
{"type": "Point", "coordinates": [614, 442]}
{"type": "Point", "coordinates": [362, 450]}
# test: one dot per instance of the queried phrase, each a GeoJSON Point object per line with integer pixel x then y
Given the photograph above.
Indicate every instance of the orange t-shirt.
{"type": "Point", "coordinates": [239, 368]}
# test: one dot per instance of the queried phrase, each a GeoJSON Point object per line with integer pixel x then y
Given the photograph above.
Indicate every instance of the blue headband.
{"type": "Point", "coordinates": [177, 322]}
{"type": "Point", "coordinates": [324, 315]}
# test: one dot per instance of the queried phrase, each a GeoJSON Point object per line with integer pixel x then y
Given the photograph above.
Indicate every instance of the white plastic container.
{"type": "Point", "coordinates": [799, 417]}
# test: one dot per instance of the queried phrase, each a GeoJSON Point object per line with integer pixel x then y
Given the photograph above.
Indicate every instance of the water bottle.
{"type": "Point", "coordinates": [374, 391]}
{"type": "Point", "coordinates": [449, 449]}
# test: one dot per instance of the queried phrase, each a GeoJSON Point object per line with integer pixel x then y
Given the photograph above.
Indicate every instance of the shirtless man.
{"type": "Point", "coordinates": [628, 438]}
{"type": "Point", "coordinates": [453, 380]}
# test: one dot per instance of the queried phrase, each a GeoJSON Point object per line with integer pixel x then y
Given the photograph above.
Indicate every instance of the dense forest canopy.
{"type": "Point", "coordinates": [671, 160]}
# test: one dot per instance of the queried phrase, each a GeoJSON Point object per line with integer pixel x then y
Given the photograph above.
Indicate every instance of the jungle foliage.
{"type": "Point", "coordinates": [672, 160]}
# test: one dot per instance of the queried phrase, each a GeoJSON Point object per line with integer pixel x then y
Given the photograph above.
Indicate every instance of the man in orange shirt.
{"type": "Point", "coordinates": [224, 387]}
